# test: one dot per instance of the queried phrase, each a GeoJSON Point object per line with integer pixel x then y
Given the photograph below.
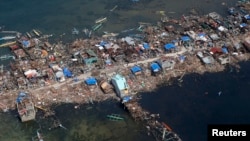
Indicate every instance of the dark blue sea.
{"type": "Point", "coordinates": [211, 98]}
{"type": "Point", "coordinates": [187, 108]}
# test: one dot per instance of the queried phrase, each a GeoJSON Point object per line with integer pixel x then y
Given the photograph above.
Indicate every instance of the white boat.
{"type": "Point", "coordinates": [101, 20]}
{"type": "Point", "coordinates": [8, 37]}
{"type": "Point", "coordinates": [7, 56]}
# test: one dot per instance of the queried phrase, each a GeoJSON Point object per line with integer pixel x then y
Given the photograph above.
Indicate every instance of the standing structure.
{"type": "Point", "coordinates": [120, 84]}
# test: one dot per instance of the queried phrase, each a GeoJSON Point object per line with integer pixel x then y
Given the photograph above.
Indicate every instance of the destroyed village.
{"type": "Point", "coordinates": [98, 68]}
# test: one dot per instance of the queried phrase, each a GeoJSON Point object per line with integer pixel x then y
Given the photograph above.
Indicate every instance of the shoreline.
{"type": "Point", "coordinates": [190, 65]}
{"type": "Point", "coordinates": [192, 44]}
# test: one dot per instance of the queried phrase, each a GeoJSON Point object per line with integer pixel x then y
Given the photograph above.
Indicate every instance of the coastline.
{"type": "Point", "coordinates": [72, 91]}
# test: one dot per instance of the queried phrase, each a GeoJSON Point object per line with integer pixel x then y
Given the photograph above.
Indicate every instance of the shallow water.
{"type": "Point", "coordinates": [87, 123]}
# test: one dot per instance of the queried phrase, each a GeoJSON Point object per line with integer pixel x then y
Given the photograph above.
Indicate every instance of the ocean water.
{"type": "Point", "coordinates": [86, 123]}
{"type": "Point", "coordinates": [187, 109]}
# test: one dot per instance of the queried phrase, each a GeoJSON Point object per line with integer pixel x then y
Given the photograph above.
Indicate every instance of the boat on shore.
{"type": "Point", "coordinates": [25, 107]}
{"type": "Point", "coordinates": [36, 32]}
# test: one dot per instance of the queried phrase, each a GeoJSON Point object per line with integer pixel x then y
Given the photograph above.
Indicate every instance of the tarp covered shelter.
{"type": "Point", "coordinates": [135, 69]}
{"type": "Point", "coordinates": [91, 81]}
{"type": "Point", "coordinates": [155, 67]}
{"type": "Point", "coordinates": [26, 43]}
{"type": "Point", "coordinates": [146, 45]}
{"type": "Point", "coordinates": [185, 38]}
{"type": "Point", "coordinates": [169, 46]}
{"type": "Point", "coordinates": [67, 72]}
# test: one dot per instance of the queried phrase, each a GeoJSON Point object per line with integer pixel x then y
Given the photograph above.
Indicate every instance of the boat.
{"type": "Point", "coordinates": [7, 44]}
{"type": "Point", "coordinates": [25, 107]}
{"type": "Point", "coordinates": [97, 26]}
{"type": "Point", "coordinates": [28, 35]}
{"type": "Point", "coordinates": [166, 126]}
{"type": "Point", "coordinates": [115, 117]}
{"type": "Point", "coordinates": [7, 56]}
{"type": "Point", "coordinates": [36, 32]}
{"type": "Point", "coordinates": [111, 10]}
{"type": "Point", "coordinates": [7, 38]}
{"type": "Point", "coordinates": [101, 20]}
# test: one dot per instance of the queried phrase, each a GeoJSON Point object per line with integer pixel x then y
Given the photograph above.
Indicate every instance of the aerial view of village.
{"type": "Point", "coordinates": [98, 68]}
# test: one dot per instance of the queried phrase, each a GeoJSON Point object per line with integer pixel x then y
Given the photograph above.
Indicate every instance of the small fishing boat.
{"type": "Point", "coordinates": [36, 32]}
{"type": "Point", "coordinates": [28, 35]}
{"type": "Point", "coordinates": [115, 117]}
{"type": "Point", "coordinates": [111, 10]}
{"type": "Point", "coordinates": [7, 38]}
{"type": "Point", "coordinates": [101, 20]}
{"type": "Point", "coordinates": [7, 56]}
{"type": "Point", "coordinates": [7, 44]}
{"type": "Point", "coordinates": [25, 107]}
{"type": "Point", "coordinates": [96, 27]}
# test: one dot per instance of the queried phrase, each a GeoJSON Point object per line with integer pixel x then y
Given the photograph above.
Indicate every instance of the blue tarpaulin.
{"type": "Point", "coordinates": [182, 58]}
{"type": "Point", "coordinates": [135, 69]}
{"type": "Point", "coordinates": [20, 97]}
{"type": "Point", "coordinates": [155, 67]}
{"type": "Point", "coordinates": [67, 72]}
{"type": "Point", "coordinates": [201, 34]}
{"type": "Point", "coordinates": [169, 46]}
{"type": "Point", "coordinates": [224, 50]}
{"type": "Point", "coordinates": [26, 43]}
{"type": "Point", "coordinates": [103, 43]}
{"type": "Point", "coordinates": [247, 17]}
{"type": "Point", "coordinates": [243, 25]}
{"type": "Point", "coordinates": [146, 45]}
{"type": "Point", "coordinates": [126, 99]}
{"type": "Point", "coordinates": [185, 38]}
{"type": "Point", "coordinates": [91, 81]}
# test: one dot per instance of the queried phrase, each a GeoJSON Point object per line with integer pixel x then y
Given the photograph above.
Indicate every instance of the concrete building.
{"type": "Point", "coordinates": [120, 84]}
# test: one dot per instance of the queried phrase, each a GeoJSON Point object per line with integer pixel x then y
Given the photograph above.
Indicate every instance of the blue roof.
{"type": "Point", "coordinates": [169, 46]}
{"type": "Point", "coordinates": [224, 50]}
{"type": "Point", "coordinates": [126, 99]}
{"type": "Point", "coordinates": [67, 72]}
{"type": "Point", "coordinates": [103, 43]}
{"type": "Point", "coordinates": [20, 97]}
{"type": "Point", "coordinates": [146, 45]}
{"type": "Point", "coordinates": [243, 25]}
{"type": "Point", "coordinates": [247, 17]}
{"type": "Point", "coordinates": [201, 34]}
{"type": "Point", "coordinates": [135, 69]}
{"type": "Point", "coordinates": [185, 38]}
{"type": "Point", "coordinates": [26, 43]}
{"type": "Point", "coordinates": [120, 82]}
{"type": "Point", "coordinates": [155, 67]}
{"type": "Point", "coordinates": [91, 81]}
